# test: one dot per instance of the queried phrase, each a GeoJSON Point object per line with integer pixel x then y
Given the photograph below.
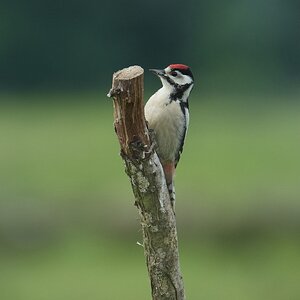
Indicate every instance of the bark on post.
{"type": "Point", "coordinates": [148, 183]}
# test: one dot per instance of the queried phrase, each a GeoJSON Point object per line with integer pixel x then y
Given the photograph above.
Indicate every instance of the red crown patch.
{"type": "Point", "coordinates": [179, 66]}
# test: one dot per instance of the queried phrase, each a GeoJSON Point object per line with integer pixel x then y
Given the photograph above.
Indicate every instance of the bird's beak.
{"type": "Point", "coordinates": [157, 72]}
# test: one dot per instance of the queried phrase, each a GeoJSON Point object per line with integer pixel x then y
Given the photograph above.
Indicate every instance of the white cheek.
{"type": "Point", "coordinates": [183, 79]}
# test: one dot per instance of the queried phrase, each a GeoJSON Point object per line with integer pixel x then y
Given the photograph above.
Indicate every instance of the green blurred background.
{"type": "Point", "coordinates": [68, 227]}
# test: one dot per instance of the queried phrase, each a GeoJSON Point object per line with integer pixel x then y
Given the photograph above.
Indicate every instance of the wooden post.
{"type": "Point", "coordinates": [148, 184]}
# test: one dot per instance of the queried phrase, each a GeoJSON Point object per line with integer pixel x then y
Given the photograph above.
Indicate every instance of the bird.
{"type": "Point", "coordinates": [167, 116]}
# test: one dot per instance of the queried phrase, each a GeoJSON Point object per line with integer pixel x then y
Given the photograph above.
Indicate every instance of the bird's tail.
{"type": "Point", "coordinates": [171, 189]}
{"type": "Point", "coordinates": [169, 170]}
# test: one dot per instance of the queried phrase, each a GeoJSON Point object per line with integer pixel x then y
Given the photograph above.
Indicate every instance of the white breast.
{"type": "Point", "coordinates": [166, 118]}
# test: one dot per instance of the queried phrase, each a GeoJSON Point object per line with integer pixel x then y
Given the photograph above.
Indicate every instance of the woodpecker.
{"type": "Point", "coordinates": [167, 114]}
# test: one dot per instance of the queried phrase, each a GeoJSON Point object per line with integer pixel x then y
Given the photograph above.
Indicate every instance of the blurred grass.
{"type": "Point", "coordinates": [61, 181]}
{"type": "Point", "coordinates": [61, 148]}
{"type": "Point", "coordinates": [84, 268]}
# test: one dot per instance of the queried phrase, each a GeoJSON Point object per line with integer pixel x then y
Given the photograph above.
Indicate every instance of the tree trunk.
{"type": "Point", "coordinates": [148, 184]}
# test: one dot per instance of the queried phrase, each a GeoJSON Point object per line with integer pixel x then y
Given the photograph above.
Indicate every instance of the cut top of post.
{"type": "Point", "coordinates": [129, 73]}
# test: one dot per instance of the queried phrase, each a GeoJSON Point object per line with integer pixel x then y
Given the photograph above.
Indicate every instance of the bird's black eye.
{"type": "Point", "coordinates": [174, 73]}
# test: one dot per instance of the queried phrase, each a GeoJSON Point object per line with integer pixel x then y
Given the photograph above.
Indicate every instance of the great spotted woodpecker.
{"type": "Point", "coordinates": [167, 114]}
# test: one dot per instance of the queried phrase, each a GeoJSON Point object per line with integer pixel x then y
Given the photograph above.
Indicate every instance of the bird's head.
{"type": "Point", "coordinates": [175, 76]}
